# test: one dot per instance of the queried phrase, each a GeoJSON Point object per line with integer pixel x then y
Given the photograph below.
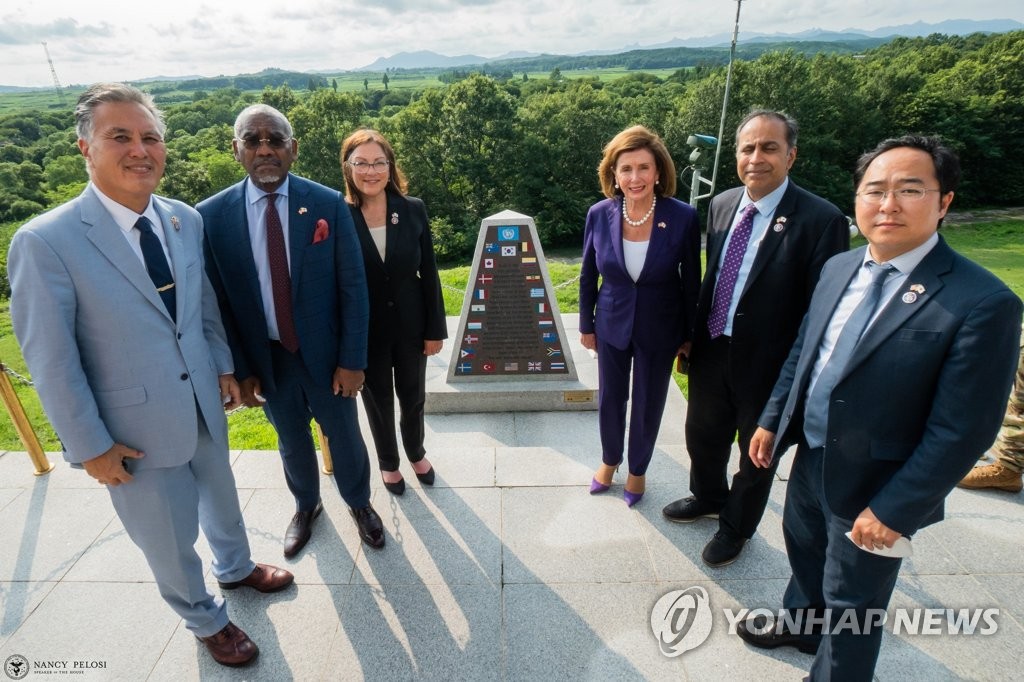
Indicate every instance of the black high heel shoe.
{"type": "Point", "coordinates": [396, 488]}
{"type": "Point", "coordinates": [427, 478]}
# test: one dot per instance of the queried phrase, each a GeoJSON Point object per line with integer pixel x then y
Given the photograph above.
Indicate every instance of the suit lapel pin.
{"type": "Point", "coordinates": [175, 223]}
{"type": "Point", "coordinates": [394, 218]}
{"type": "Point", "coordinates": [302, 210]}
{"type": "Point", "coordinates": [661, 225]}
{"type": "Point", "coordinates": [917, 288]}
{"type": "Point", "coordinates": [780, 223]}
{"type": "Point", "coordinates": [909, 297]}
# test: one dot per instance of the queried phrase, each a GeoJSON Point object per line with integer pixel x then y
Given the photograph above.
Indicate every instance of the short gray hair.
{"type": "Point", "coordinates": [261, 110]}
{"type": "Point", "coordinates": [101, 93]}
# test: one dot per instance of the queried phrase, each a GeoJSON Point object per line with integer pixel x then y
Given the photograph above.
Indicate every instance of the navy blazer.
{"type": "Point", "coordinates": [923, 394]}
{"type": "Point", "coordinates": [404, 289]}
{"type": "Point", "coordinates": [329, 301]}
{"type": "Point", "coordinates": [656, 311]}
{"type": "Point", "coordinates": [779, 287]}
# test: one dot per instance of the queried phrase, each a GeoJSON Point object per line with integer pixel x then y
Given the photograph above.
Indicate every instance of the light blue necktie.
{"type": "Point", "coordinates": [816, 409]}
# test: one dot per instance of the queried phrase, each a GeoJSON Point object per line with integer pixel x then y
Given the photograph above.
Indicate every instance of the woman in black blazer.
{"type": "Point", "coordinates": [407, 321]}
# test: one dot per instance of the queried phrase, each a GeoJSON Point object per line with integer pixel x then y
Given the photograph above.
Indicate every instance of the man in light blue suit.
{"type": "Point", "coordinates": [119, 327]}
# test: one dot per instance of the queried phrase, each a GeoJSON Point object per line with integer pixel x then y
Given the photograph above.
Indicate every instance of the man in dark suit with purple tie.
{"type": "Point", "coordinates": [766, 243]}
{"type": "Point", "coordinates": [284, 259]}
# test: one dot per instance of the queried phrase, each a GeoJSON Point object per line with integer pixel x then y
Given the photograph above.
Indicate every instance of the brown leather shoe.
{"type": "Point", "coordinates": [231, 646]}
{"type": "Point", "coordinates": [300, 530]}
{"type": "Point", "coordinates": [264, 578]}
{"type": "Point", "coordinates": [371, 528]}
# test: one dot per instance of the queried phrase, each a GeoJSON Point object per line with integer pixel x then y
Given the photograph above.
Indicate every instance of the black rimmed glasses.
{"type": "Point", "coordinates": [904, 194]}
{"type": "Point", "coordinates": [365, 166]}
{"type": "Point", "coordinates": [274, 142]}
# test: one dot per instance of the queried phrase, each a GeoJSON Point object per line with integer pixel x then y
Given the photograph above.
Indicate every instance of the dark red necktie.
{"type": "Point", "coordinates": [280, 280]}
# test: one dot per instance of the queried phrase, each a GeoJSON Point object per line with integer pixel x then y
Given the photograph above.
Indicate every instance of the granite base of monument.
{"type": "Point", "coordinates": [510, 395]}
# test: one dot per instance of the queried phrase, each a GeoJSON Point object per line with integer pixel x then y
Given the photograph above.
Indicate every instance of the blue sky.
{"type": "Point", "coordinates": [117, 40]}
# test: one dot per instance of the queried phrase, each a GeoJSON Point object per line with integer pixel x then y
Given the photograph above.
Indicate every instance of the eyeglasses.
{"type": "Point", "coordinates": [253, 143]}
{"type": "Point", "coordinates": [907, 194]}
{"type": "Point", "coordinates": [365, 166]}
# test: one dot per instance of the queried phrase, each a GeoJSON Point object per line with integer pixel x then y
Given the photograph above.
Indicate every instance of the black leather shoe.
{"type": "Point", "coordinates": [722, 550]}
{"type": "Point", "coordinates": [427, 478]}
{"type": "Point", "coordinates": [396, 488]}
{"type": "Point", "coordinates": [748, 631]}
{"type": "Point", "coordinates": [689, 509]}
{"type": "Point", "coordinates": [300, 530]}
{"type": "Point", "coordinates": [371, 528]}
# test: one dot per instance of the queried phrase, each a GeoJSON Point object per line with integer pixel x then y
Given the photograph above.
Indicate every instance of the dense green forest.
{"type": "Point", "coordinates": [483, 143]}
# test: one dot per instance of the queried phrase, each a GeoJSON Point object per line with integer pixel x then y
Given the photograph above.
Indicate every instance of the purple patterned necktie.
{"type": "Point", "coordinates": [280, 280]}
{"type": "Point", "coordinates": [730, 270]}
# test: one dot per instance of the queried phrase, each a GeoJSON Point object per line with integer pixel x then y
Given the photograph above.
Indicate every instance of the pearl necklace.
{"type": "Point", "coordinates": [638, 223]}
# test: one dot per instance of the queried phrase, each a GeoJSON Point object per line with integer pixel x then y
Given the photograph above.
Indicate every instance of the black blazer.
{"type": "Point", "coordinates": [923, 394]}
{"type": "Point", "coordinates": [405, 289]}
{"type": "Point", "coordinates": [779, 287]}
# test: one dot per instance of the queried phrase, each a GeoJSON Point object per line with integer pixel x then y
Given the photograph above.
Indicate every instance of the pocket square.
{"type": "Point", "coordinates": [322, 231]}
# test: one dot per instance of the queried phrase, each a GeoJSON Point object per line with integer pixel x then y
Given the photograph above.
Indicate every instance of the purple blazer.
{"type": "Point", "coordinates": [657, 311]}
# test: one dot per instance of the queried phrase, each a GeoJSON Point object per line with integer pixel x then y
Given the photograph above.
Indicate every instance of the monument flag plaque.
{"type": "Point", "coordinates": [510, 327]}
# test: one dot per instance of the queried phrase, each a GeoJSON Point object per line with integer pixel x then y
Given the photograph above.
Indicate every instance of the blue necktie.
{"type": "Point", "coordinates": [156, 264]}
{"type": "Point", "coordinates": [730, 271]}
{"type": "Point", "coordinates": [816, 409]}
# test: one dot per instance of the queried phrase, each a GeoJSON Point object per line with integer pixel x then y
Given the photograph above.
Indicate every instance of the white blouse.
{"type": "Point", "coordinates": [634, 253]}
{"type": "Point", "coordinates": [380, 238]}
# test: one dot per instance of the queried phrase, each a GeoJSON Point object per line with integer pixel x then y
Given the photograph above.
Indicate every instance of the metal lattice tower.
{"type": "Point", "coordinates": [56, 81]}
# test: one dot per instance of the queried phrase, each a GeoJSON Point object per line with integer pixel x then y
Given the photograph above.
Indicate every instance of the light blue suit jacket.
{"type": "Point", "coordinates": [108, 362]}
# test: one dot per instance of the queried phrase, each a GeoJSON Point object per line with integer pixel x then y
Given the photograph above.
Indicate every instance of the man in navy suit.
{"type": "Point", "coordinates": [283, 257]}
{"type": "Point", "coordinates": [747, 320]}
{"type": "Point", "coordinates": [119, 327]}
{"type": "Point", "coordinates": [889, 403]}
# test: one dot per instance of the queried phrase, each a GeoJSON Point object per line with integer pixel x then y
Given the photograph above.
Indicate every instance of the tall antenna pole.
{"type": "Point", "coordinates": [53, 72]}
{"type": "Point", "coordinates": [725, 99]}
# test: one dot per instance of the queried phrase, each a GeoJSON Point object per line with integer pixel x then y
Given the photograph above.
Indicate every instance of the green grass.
{"type": "Point", "coordinates": [997, 245]}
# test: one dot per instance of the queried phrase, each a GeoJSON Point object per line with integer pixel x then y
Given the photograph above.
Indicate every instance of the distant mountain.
{"type": "Point", "coordinates": [917, 29]}
{"type": "Point", "coordinates": [426, 59]}
{"type": "Point", "coordinates": [423, 59]}
{"type": "Point", "coordinates": [160, 79]}
{"type": "Point", "coordinates": [956, 27]}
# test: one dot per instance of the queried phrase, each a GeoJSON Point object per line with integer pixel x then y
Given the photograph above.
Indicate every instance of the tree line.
{"type": "Point", "coordinates": [482, 144]}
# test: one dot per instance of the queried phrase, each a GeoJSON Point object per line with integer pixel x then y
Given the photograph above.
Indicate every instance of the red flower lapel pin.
{"type": "Point", "coordinates": [321, 232]}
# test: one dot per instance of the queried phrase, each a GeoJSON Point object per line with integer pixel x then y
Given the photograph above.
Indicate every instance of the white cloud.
{"type": "Point", "coordinates": [111, 40]}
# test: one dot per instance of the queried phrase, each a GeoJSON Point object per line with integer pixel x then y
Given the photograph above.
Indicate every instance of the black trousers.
{"type": "Point", "coordinates": [401, 368]}
{"type": "Point", "coordinates": [717, 411]}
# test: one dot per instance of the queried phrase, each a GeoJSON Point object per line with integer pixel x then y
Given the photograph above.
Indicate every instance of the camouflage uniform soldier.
{"type": "Point", "coordinates": [1005, 474]}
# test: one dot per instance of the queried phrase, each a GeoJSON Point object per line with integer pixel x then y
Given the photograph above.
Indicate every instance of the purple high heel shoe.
{"type": "Point", "coordinates": [631, 498]}
{"type": "Point", "coordinates": [628, 495]}
{"type": "Point", "coordinates": [597, 487]}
